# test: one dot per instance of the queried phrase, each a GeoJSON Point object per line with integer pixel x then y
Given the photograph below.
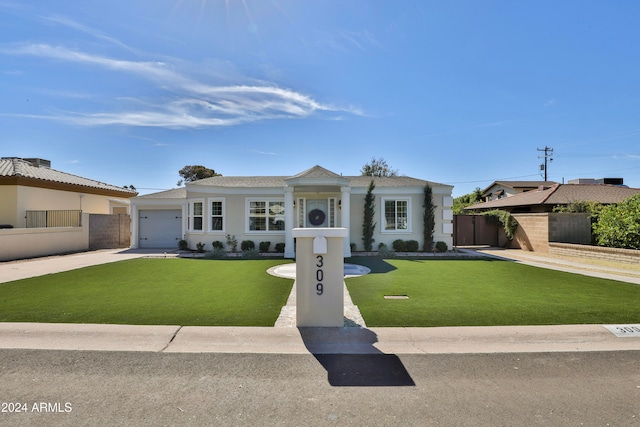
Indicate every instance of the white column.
{"type": "Point", "coordinates": [345, 218]}
{"type": "Point", "coordinates": [289, 250]}
{"type": "Point", "coordinates": [135, 224]}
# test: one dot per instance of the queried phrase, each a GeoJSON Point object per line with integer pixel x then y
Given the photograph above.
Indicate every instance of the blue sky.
{"type": "Point", "coordinates": [458, 92]}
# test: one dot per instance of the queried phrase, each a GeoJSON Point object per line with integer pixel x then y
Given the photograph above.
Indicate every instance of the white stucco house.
{"type": "Point", "coordinates": [267, 208]}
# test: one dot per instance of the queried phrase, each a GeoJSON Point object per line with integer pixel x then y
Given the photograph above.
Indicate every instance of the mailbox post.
{"type": "Point", "coordinates": [320, 276]}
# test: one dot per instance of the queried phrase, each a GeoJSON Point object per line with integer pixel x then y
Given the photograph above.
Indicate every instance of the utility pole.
{"type": "Point", "coordinates": [548, 152]}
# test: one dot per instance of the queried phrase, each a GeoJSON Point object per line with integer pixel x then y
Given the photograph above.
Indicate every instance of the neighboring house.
{"type": "Point", "coordinates": [267, 208]}
{"type": "Point", "coordinates": [30, 185]}
{"type": "Point", "coordinates": [545, 198]}
{"type": "Point", "coordinates": [502, 189]}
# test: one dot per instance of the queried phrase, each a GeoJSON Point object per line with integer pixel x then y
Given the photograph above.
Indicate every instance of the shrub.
{"type": "Point", "coordinates": [441, 247]}
{"type": "Point", "coordinates": [216, 253]}
{"type": "Point", "coordinates": [618, 225]}
{"type": "Point", "coordinates": [385, 252]}
{"type": "Point", "coordinates": [368, 226]}
{"type": "Point", "coordinates": [247, 245]}
{"type": "Point", "coordinates": [217, 245]}
{"type": "Point", "coordinates": [280, 247]}
{"type": "Point", "coordinates": [411, 246]}
{"type": "Point", "coordinates": [398, 245]}
{"type": "Point", "coordinates": [232, 242]}
{"type": "Point", "coordinates": [264, 246]}
{"type": "Point", "coordinates": [352, 246]}
{"type": "Point", "coordinates": [250, 253]}
{"type": "Point", "coordinates": [200, 247]}
{"type": "Point", "coordinates": [429, 218]}
{"type": "Point", "coordinates": [183, 245]}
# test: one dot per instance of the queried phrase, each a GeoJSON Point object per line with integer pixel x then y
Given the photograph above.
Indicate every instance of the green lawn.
{"type": "Point", "coordinates": [241, 293]}
{"type": "Point", "coordinates": [152, 291]}
{"type": "Point", "coordinates": [487, 292]}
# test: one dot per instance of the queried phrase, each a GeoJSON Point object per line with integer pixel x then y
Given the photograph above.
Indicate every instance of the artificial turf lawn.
{"type": "Point", "coordinates": [241, 293]}
{"type": "Point", "coordinates": [152, 292]}
{"type": "Point", "coordinates": [486, 292]}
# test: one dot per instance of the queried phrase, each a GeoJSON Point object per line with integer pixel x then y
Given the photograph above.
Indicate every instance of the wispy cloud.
{"type": "Point", "coordinates": [183, 101]}
{"type": "Point", "coordinates": [347, 41]}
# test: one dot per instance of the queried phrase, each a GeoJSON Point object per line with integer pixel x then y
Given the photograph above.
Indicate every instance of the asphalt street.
{"type": "Point", "coordinates": [71, 388]}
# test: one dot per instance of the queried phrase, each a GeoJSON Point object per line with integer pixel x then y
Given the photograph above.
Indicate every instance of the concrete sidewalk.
{"type": "Point", "coordinates": [257, 340]}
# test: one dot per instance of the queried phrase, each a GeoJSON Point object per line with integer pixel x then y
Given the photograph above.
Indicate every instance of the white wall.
{"type": "Point", "coordinates": [19, 243]}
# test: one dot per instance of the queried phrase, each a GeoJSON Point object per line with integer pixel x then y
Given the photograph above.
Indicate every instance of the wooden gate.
{"type": "Point", "coordinates": [473, 230]}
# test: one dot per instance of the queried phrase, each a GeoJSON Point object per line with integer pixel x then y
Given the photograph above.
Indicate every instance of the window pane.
{"type": "Point", "coordinates": [257, 224]}
{"type": "Point", "coordinates": [390, 215]}
{"type": "Point", "coordinates": [216, 223]}
{"type": "Point", "coordinates": [197, 223]}
{"type": "Point", "coordinates": [402, 214]}
{"type": "Point", "coordinates": [197, 208]}
{"type": "Point", "coordinates": [276, 216]}
{"type": "Point", "coordinates": [216, 208]}
{"type": "Point", "coordinates": [257, 208]}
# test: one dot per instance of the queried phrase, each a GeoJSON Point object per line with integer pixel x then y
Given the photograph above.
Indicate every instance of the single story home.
{"type": "Point", "coordinates": [30, 186]}
{"type": "Point", "coordinates": [546, 197]}
{"type": "Point", "coordinates": [267, 208]}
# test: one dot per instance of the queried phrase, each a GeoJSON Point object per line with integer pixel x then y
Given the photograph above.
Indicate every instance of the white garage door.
{"type": "Point", "coordinates": [160, 229]}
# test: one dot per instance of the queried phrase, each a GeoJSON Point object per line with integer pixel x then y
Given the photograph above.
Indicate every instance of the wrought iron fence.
{"type": "Point", "coordinates": [58, 218]}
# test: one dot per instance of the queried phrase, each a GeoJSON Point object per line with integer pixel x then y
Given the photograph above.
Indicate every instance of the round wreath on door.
{"type": "Point", "coordinates": [317, 217]}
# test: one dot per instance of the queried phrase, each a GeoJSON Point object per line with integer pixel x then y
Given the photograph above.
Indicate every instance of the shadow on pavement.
{"type": "Point", "coordinates": [351, 360]}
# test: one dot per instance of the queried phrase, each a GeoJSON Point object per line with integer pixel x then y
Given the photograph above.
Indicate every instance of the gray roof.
{"type": "Point", "coordinates": [562, 194]}
{"type": "Point", "coordinates": [19, 168]}
{"type": "Point", "coordinates": [174, 193]}
{"type": "Point", "coordinates": [314, 172]}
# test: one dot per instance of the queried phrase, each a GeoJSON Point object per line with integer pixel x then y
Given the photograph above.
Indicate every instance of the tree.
{"type": "Point", "coordinates": [368, 225]}
{"type": "Point", "coordinates": [194, 173]}
{"type": "Point", "coordinates": [618, 225]}
{"type": "Point", "coordinates": [429, 218]}
{"type": "Point", "coordinates": [377, 167]}
{"type": "Point", "coordinates": [459, 203]}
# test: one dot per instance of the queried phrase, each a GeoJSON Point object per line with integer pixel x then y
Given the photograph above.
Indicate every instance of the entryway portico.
{"type": "Point", "coordinates": [316, 198]}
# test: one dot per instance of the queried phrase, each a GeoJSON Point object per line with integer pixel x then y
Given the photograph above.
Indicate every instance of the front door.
{"type": "Point", "coordinates": [317, 215]}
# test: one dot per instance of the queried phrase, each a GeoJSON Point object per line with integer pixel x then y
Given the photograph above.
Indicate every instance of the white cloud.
{"type": "Point", "coordinates": [194, 103]}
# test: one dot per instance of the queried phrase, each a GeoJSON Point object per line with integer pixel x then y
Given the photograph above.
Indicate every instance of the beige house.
{"type": "Point", "coordinates": [502, 189]}
{"type": "Point", "coordinates": [267, 208]}
{"type": "Point", "coordinates": [28, 186]}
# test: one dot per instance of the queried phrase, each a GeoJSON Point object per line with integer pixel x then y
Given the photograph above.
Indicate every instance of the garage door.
{"type": "Point", "coordinates": [160, 229]}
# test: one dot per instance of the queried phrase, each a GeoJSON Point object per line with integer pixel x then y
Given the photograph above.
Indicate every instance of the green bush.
{"type": "Point", "coordinates": [441, 247]}
{"type": "Point", "coordinates": [618, 225]}
{"type": "Point", "coordinates": [217, 245]}
{"type": "Point", "coordinates": [385, 252]}
{"type": "Point", "coordinates": [200, 247]}
{"type": "Point", "coordinates": [398, 245]}
{"type": "Point", "coordinates": [498, 216]}
{"type": "Point", "coordinates": [216, 253]}
{"type": "Point", "coordinates": [250, 253]}
{"type": "Point", "coordinates": [183, 245]}
{"type": "Point", "coordinates": [411, 246]}
{"type": "Point", "coordinates": [232, 242]}
{"type": "Point", "coordinates": [247, 245]}
{"type": "Point", "coordinates": [280, 248]}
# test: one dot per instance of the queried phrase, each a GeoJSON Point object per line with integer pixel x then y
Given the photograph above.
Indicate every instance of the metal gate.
{"type": "Point", "coordinates": [473, 230]}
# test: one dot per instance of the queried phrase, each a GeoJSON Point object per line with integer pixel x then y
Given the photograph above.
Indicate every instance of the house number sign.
{"type": "Point", "coordinates": [319, 275]}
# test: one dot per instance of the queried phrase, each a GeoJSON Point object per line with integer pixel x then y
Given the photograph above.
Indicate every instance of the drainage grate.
{"type": "Point", "coordinates": [396, 297]}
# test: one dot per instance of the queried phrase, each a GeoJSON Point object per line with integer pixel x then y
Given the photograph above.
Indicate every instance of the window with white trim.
{"type": "Point", "coordinates": [395, 216]}
{"type": "Point", "coordinates": [196, 217]}
{"type": "Point", "coordinates": [266, 215]}
{"type": "Point", "coordinates": [217, 214]}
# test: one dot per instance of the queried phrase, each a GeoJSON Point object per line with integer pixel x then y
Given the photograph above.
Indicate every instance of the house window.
{"type": "Point", "coordinates": [196, 217]}
{"type": "Point", "coordinates": [332, 212]}
{"type": "Point", "coordinates": [266, 215]}
{"type": "Point", "coordinates": [217, 215]}
{"type": "Point", "coordinates": [301, 212]}
{"type": "Point", "coordinates": [396, 215]}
